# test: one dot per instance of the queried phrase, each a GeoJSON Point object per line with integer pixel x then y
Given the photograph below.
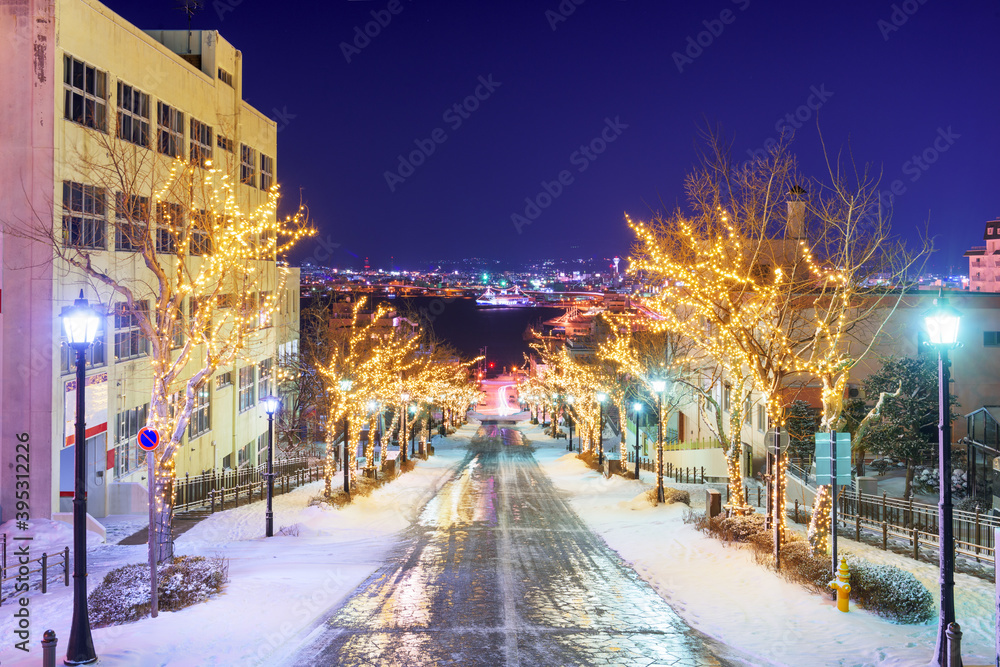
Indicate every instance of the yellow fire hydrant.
{"type": "Point", "coordinates": [843, 586]}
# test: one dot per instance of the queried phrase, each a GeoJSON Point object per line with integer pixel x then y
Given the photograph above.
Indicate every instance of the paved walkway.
{"type": "Point", "coordinates": [500, 571]}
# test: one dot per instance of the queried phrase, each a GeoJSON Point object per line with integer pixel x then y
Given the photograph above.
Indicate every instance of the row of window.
{"type": "Point", "coordinates": [85, 222]}
{"type": "Point", "coordinates": [86, 102]}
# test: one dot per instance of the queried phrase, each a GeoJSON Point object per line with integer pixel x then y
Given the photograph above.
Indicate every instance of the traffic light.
{"type": "Point", "coordinates": [492, 365]}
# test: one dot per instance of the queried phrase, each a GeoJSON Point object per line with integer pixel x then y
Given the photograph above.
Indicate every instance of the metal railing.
{"type": "Point", "coordinates": [198, 492]}
{"type": "Point", "coordinates": [46, 564]}
{"type": "Point", "coordinates": [918, 523]}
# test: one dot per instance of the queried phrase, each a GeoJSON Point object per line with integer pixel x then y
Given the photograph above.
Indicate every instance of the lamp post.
{"type": "Point", "coordinates": [941, 323]}
{"type": "Point", "coordinates": [637, 408]}
{"type": "Point", "coordinates": [373, 409]}
{"type": "Point", "coordinates": [569, 420]}
{"type": "Point", "coordinates": [601, 397]}
{"type": "Point", "coordinates": [659, 386]}
{"type": "Point", "coordinates": [80, 324]}
{"type": "Point", "coordinates": [402, 425]}
{"type": "Point", "coordinates": [271, 404]}
{"type": "Point", "coordinates": [345, 386]}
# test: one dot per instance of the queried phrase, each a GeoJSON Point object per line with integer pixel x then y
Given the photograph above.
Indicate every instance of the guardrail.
{"type": "Point", "coordinates": [918, 523]}
{"type": "Point", "coordinates": [47, 563]}
{"type": "Point", "coordinates": [203, 491]}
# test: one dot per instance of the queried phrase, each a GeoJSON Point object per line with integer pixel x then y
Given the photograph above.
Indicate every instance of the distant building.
{"type": "Point", "coordinates": [984, 261]}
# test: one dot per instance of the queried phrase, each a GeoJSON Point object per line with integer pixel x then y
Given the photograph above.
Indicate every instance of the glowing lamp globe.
{"type": "Point", "coordinates": [345, 385]}
{"type": "Point", "coordinates": [271, 404]}
{"type": "Point", "coordinates": [941, 323]}
{"type": "Point", "coordinates": [637, 407]}
{"type": "Point", "coordinates": [80, 322]}
{"type": "Point", "coordinates": [601, 397]}
{"type": "Point", "coordinates": [658, 385]}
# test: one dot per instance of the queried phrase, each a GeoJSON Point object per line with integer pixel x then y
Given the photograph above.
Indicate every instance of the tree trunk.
{"type": "Point", "coordinates": [160, 531]}
{"type": "Point", "coordinates": [908, 487]}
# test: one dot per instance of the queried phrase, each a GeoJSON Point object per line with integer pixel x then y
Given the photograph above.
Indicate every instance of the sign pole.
{"type": "Point", "coordinates": [833, 506]}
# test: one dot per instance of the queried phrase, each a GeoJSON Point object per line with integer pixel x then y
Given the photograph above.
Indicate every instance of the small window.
{"type": "Point", "coordinates": [86, 94]}
{"type": "Point", "coordinates": [248, 165]}
{"type": "Point", "coordinates": [133, 115]}
{"type": "Point", "coordinates": [131, 222]}
{"type": "Point", "coordinates": [201, 143]}
{"type": "Point", "coordinates": [224, 380]}
{"type": "Point", "coordinates": [201, 237]}
{"type": "Point", "coordinates": [83, 216]}
{"type": "Point", "coordinates": [224, 143]}
{"type": "Point", "coordinates": [264, 386]}
{"type": "Point", "coordinates": [246, 397]}
{"type": "Point", "coordinates": [991, 339]}
{"type": "Point", "coordinates": [726, 396]}
{"type": "Point", "coordinates": [169, 130]}
{"type": "Point", "coordinates": [169, 225]}
{"type": "Point", "coordinates": [129, 341]}
{"type": "Point", "coordinates": [266, 172]}
{"type": "Point", "coordinates": [201, 417]}
{"type": "Point", "coordinates": [227, 300]}
{"type": "Point", "coordinates": [989, 231]}
{"type": "Point", "coordinates": [225, 77]}
{"type": "Point", "coordinates": [761, 418]}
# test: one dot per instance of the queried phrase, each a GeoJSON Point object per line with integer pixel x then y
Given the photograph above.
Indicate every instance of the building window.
{"type": "Point", "coordinates": [266, 172]}
{"type": "Point", "coordinates": [243, 455]}
{"type": "Point", "coordinates": [127, 452]}
{"type": "Point", "coordinates": [977, 261]}
{"type": "Point", "coordinates": [225, 77]}
{"type": "Point", "coordinates": [227, 300]}
{"type": "Point", "coordinates": [224, 380]}
{"type": "Point", "coordinates": [761, 418]}
{"type": "Point", "coordinates": [224, 143]}
{"type": "Point", "coordinates": [227, 462]}
{"type": "Point", "coordinates": [83, 216]}
{"type": "Point", "coordinates": [94, 357]}
{"type": "Point", "coordinates": [248, 159]}
{"type": "Point", "coordinates": [177, 336]}
{"type": "Point", "coordinates": [169, 130]}
{"type": "Point", "coordinates": [133, 115]}
{"type": "Point", "coordinates": [991, 339]}
{"type": "Point", "coordinates": [201, 143]}
{"type": "Point", "coordinates": [86, 94]}
{"type": "Point", "coordinates": [201, 307]}
{"type": "Point", "coordinates": [989, 231]}
{"type": "Point", "coordinates": [264, 387]}
{"type": "Point", "coordinates": [246, 397]}
{"type": "Point", "coordinates": [747, 411]}
{"type": "Point", "coordinates": [169, 225]}
{"type": "Point", "coordinates": [727, 393]}
{"type": "Point", "coordinates": [129, 341]}
{"type": "Point", "coordinates": [266, 309]}
{"type": "Point", "coordinates": [131, 222]}
{"type": "Point", "coordinates": [200, 242]}
{"type": "Point", "coordinates": [201, 417]}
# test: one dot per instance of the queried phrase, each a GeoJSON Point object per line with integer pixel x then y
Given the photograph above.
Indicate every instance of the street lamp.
{"type": "Point", "coordinates": [271, 404]}
{"type": "Point", "coordinates": [601, 397]}
{"type": "Point", "coordinates": [413, 433]}
{"type": "Point", "coordinates": [659, 386]}
{"type": "Point", "coordinates": [569, 419]}
{"type": "Point", "coordinates": [80, 324]}
{"type": "Point", "coordinates": [941, 323]}
{"type": "Point", "coordinates": [345, 386]}
{"type": "Point", "coordinates": [637, 408]}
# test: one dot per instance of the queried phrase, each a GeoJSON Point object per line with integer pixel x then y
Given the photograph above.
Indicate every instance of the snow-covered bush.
{"type": "Point", "coordinates": [929, 480]}
{"type": "Point", "coordinates": [881, 466]}
{"type": "Point", "coordinates": [123, 596]}
{"type": "Point", "coordinates": [670, 496]}
{"type": "Point", "coordinates": [890, 592]}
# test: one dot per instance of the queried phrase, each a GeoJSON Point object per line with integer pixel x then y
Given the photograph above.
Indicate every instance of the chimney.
{"type": "Point", "coordinates": [795, 226]}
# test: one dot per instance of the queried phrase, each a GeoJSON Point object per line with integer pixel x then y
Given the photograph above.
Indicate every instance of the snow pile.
{"type": "Point", "coordinates": [46, 536]}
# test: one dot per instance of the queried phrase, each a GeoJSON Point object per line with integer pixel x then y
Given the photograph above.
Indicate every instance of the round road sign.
{"type": "Point", "coordinates": [148, 438]}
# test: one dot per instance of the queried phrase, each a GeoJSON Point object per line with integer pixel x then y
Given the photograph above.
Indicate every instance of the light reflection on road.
{"type": "Point", "coordinates": [498, 570]}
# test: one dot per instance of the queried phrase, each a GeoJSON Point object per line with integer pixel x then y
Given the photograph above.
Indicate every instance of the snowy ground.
{"type": "Point", "coordinates": [720, 591]}
{"type": "Point", "coordinates": [280, 587]}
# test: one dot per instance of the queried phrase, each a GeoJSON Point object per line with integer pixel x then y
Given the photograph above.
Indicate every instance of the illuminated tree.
{"type": "Point", "coordinates": [773, 282]}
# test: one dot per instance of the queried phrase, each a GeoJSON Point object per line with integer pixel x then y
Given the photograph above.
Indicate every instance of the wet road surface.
{"type": "Point", "coordinates": [500, 571]}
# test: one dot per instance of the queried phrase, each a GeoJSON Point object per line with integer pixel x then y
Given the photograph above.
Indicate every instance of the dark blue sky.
{"type": "Point", "coordinates": [887, 93]}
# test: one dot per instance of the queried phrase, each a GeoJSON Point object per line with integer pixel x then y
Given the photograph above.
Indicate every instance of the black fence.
{"type": "Point", "coordinates": [201, 492]}
{"type": "Point", "coordinates": [40, 569]}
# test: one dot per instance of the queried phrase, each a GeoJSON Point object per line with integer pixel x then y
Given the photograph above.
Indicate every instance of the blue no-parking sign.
{"type": "Point", "coordinates": [148, 438]}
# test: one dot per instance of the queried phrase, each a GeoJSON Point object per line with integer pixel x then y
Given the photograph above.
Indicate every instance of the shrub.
{"type": "Point", "coordinates": [123, 596]}
{"type": "Point", "coordinates": [534, 421]}
{"type": "Point", "coordinates": [890, 592]}
{"type": "Point", "coordinates": [740, 528]}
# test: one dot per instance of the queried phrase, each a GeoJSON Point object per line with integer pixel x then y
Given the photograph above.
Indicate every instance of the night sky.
{"type": "Point", "coordinates": [890, 80]}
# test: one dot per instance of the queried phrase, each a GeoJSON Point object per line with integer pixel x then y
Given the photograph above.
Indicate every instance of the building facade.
{"type": "Point", "coordinates": [75, 73]}
{"type": "Point", "coordinates": [984, 261]}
